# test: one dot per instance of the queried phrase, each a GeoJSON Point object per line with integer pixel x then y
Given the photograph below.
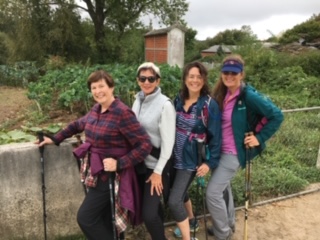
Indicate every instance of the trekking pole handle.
{"type": "Point", "coordinates": [199, 146]}
{"type": "Point", "coordinates": [200, 180]}
{"type": "Point", "coordinates": [78, 136]}
{"type": "Point", "coordinates": [41, 139]}
{"type": "Point", "coordinates": [246, 135]}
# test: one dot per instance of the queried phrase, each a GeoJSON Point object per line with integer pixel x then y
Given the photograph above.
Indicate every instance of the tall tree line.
{"type": "Point", "coordinates": [32, 30]}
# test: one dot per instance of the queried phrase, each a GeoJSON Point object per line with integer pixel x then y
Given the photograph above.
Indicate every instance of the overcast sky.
{"type": "Point", "coordinates": [209, 17]}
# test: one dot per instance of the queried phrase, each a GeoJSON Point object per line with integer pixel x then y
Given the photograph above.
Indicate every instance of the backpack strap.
{"type": "Point", "coordinates": [202, 113]}
{"type": "Point", "coordinates": [205, 111]}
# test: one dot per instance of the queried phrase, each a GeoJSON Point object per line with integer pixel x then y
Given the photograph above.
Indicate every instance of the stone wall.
{"type": "Point", "coordinates": [21, 196]}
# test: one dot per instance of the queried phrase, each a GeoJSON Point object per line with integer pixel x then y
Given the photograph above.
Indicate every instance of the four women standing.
{"type": "Point", "coordinates": [117, 142]}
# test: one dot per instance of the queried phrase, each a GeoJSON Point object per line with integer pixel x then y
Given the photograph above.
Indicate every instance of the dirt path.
{"type": "Point", "coordinates": [296, 218]}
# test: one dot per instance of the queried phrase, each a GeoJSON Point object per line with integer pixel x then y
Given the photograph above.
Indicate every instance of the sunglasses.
{"type": "Point", "coordinates": [151, 79]}
{"type": "Point", "coordinates": [230, 73]}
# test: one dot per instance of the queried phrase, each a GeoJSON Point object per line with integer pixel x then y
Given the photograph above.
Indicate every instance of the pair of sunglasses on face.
{"type": "Point", "coordinates": [151, 79]}
{"type": "Point", "coordinates": [230, 73]}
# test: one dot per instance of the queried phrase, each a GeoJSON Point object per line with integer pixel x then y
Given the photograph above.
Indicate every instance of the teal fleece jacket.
{"type": "Point", "coordinates": [256, 104]}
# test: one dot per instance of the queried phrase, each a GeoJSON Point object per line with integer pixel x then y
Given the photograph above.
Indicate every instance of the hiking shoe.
{"type": "Point", "coordinates": [211, 233]}
{"type": "Point", "coordinates": [194, 225]}
{"type": "Point", "coordinates": [227, 238]}
{"type": "Point", "coordinates": [177, 233]}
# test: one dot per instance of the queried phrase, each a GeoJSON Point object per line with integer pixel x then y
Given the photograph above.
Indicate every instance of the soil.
{"type": "Point", "coordinates": [296, 218]}
{"type": "Point", "coordinates": [13, 106]}
{"type": "Point", "coordinates": [16, 110]}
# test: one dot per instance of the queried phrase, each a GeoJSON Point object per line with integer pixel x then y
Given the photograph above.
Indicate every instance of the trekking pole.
{"type": "Point", "coordinates": [110, 179]}
{"type": "Point", "coordinates": [41, 149]}
{"type": "Point", "coordinates": [80, 162]}
{"type": "Point", "coordinates": [247, 187]}
{"type": "Point", "coordinates": [201, 183]}
{"type": "Point", "coordinates": [204, 212]}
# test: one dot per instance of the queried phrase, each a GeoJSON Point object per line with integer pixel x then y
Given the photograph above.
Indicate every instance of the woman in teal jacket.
{"type": "Point", "coordinates": [242, 107]}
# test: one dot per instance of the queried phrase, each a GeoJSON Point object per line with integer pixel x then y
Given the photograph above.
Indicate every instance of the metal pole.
{"type": "Point", "coordinates": [201, 183]}
{"type": "Point", "coordinates": [110, 179]}
{"type": "Point", "coordinates": [247, 188]}
{"type": "Point", "coordinates": [41, 149]}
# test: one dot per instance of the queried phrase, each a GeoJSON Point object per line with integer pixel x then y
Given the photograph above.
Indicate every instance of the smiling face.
{"type": "Point", "coordinates": [147, 81]}
{"type": "Point", "coordinates": [102, 93]}
{"type": "Point", "coordinates": [232, 80]}
{"type": "Point", "coordinates": [194, 81]}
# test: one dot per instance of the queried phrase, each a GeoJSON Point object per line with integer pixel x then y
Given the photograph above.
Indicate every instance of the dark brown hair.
{"type": "Point", "coordinates": [184, 94]}
{"type": "Point", "coordinates": [220, 90]}
{"type": "Point", "coordinates": [100, 75]}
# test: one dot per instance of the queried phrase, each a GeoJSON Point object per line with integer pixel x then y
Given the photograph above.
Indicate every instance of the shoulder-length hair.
{"type": "Point", "coordinates": [184, 93]}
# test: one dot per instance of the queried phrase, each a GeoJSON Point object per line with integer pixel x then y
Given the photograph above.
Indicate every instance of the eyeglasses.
{"type": "Point", "coordinates": [151, 79]}
{"type": "Point", "coordinates": [230, 73]}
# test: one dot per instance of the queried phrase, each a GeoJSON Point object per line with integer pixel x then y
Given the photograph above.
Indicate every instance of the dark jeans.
{"type": "Point", "coordinates": [152, 210]}
{"type": "Point", "coordinates": [94, 215]}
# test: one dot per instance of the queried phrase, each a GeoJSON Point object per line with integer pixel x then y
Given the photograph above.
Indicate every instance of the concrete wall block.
{"type": "Point", "coordinates": [21, 198]}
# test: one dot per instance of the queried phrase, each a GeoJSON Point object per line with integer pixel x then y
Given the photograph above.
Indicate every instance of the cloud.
{"type": "Point", "coordinates": [209, 17]}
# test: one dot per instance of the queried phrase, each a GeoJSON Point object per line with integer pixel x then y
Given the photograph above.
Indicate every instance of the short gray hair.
{"type": "Point", "coordinates": [150, 66]}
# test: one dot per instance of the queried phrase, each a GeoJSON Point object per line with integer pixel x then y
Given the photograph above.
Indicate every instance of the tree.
{"type": "Point", "coordinates": [308, 30]}
{"type": "Point", "coordinates": [37, 30]}
{"type": "Point", "coordinates": [45, 27]}
{"type": "Point", "coordinates": [119, 15]}
{"type": "Point", "coordinates": [67, 36]}
{"type": "Point", "coordinates": [234, 36]}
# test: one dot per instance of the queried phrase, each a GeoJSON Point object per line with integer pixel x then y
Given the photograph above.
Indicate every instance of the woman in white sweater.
{"type": "Point", "coordinates": [157, 115]}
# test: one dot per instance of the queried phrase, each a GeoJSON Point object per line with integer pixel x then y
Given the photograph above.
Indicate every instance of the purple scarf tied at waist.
{"type": "Point", "coordinates": [129, 191]}
{"type": "Point", "coordinates": [97, 155]}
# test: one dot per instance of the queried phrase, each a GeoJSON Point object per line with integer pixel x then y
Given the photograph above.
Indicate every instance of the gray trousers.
{"type": "Point", "coordinates": [223, 216]}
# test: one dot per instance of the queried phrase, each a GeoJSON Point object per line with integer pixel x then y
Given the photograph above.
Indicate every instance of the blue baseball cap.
{"type": "Point", "coordinates": [232, 65]}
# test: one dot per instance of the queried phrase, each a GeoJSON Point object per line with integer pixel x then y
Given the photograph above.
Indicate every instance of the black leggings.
{"type": "Point", "coordinates": [178, 194]}
{"type": "Point", "coordinates": [152, 210]}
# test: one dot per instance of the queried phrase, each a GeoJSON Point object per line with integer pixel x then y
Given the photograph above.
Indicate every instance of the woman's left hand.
{"type": "Point", "coordinates": [109, 164]}
{"type": "Point", "coordinates": [202, 170]}
{"type": "Point", "coordinates": [156, 183]}
{"type": "Point", "coordinates": [251, 141]}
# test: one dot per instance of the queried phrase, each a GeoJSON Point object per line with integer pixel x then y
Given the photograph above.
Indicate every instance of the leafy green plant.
{"type": "Point", "coordinates": [27, 134]}
{"type": "Point", "coordinates": [67, 88]}
{"type": "Point", "coordinates": [15, 136]}
{"type": "Point", "coordinates": [18, 74]}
